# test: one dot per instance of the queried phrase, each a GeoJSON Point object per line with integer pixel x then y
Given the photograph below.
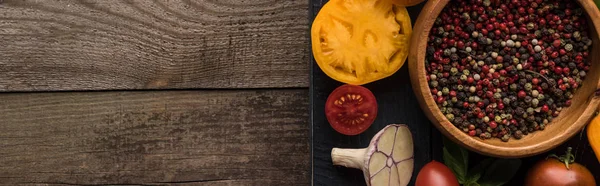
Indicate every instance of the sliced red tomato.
{"type": "Point", "coordinates": [351, 109]}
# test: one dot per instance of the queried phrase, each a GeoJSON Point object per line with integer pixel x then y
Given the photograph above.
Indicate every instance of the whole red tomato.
{"type": "Point", "coordinates": [553, 171]}
{"type": "Point", "coordinates": [436, 173]}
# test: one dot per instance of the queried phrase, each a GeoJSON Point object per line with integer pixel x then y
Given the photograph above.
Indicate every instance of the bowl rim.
{"type": "Point", "coordinates": [421, 31]}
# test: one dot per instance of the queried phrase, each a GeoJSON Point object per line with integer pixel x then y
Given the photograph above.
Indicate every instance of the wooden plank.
{"type": "Point", "coordinates": [253, 137]}
{"type": "Point", "coordinates": [140, 44]}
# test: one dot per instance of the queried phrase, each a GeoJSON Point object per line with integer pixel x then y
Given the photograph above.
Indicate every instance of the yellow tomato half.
{"type": "Point", "coordinates": [408, 2]}
{"type": "Point", "coordinates": [361, 41]}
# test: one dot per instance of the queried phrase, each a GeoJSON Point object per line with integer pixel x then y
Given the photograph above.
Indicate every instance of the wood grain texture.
{"type": "Point", "coordinates": [251, 137]}
{"type": "Point", "coordinates": [570, 122]}
{"type": "Point", "coordinates": [140, 44]}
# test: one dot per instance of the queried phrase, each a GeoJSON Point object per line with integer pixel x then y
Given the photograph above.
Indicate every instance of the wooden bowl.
{"type": "Point", "coordinates": [571, 120]}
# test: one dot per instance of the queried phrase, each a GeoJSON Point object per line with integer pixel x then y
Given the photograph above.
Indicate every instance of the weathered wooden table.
{"type": "Point", "coordinates": [138, 92]}
{"type": "Point", "coordinates": [154, 92]}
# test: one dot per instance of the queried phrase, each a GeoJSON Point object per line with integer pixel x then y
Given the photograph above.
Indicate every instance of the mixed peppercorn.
{"type": "Point", "coordinates": [503, 69]}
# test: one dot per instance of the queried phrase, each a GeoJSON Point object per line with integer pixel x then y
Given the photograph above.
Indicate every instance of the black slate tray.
{"type": "Point", "coordinates": [397, 104]}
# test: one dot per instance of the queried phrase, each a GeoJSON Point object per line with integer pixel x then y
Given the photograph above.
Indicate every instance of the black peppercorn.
{"type": "Point", "coordinates": [557, 61]}
{"type": "Point", "coordinates": [522, 51]}
{"type": "Point", "coordinates": [495, 44]}
{"type": "Point", "coordinates": [519, 111]}
{"type": "Point", "coordinates": [482, 40]}
{"type": "Point", "coordinates": [454, 57]}
{"type": "Point", "coordinates": [544, 86]}
{"type": "Point", "coordinates": [518, 134]}
{"type": "Point", "coordinates": [557, 92]}
{"type": "Point", "coordinates": [549, 101]}
{"type": "Point", "coordinates": [537, 56]}
{"type": "Point", "coordinates": [470, 27]}
{"type": "Point", "coordinates": [527, 99]}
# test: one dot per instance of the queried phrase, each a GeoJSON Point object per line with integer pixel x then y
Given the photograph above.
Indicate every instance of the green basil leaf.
{"type": "Point", "coordinates": [455, 166]}
{"type": "Point", "coordinates": [456, 158]}
{"type": "Point", "coordinates": [500, 172]}
{"type": "Point", "coordinates": [457, 152]}
{"type": "Point", "coordinates": [472, 184]}
{"type": "Point", "coordinates": [475, 173]}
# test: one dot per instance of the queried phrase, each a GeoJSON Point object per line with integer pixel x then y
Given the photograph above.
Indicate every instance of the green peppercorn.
{"type": "Point", "coordinates": [506, 101]}
{"type": "Point", "coordinates": [498, 119]}
{"type": "Point", "coordinates": [460, 87]}
{"type": "Point", "coordinates": [445, 90]}
{"type": "Point", "coordinates": [569, 47]}
{"type": "Point", "coordinates": [530, 110]}
{"type": "Point", "coordinates": [505, 138]}
{"type": "Point", "coordinates": [433, 84]}
{"type": "Point", "coordinates": [433, 77]}
{"type": "Point", "coordinates": [486, 119]}
{"type": "Point", "coordinates": [454, 70]}
{"type": "Point", "coordinates": [454, 99]}
{"type": "Point", "coordinates": [513, 87]}
{"type": "Point", "coordinates": [450, 117]}
{"type": "Point", "coordinates": [541, 97]}
{"type": "Point", "coordinates": [535, 93]}
{"type": "Point", "coordinates": [535, 102]}
{"type": "Point", "coordinates": [497, 96]}
{"type": "Point", "coordinates": [528, 86]}
{"type": "Point", "coordinates": [466, 72]}
{"type": "Point", "coordinates": [569, 95]}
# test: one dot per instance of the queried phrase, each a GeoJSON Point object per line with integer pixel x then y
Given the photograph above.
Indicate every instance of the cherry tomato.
{"type": "Point", "coordinates": [553, 172]}
{"type": "Point", "coordinates": [436, 173]}
{"type": "Point", "coordinates": [351, 109]}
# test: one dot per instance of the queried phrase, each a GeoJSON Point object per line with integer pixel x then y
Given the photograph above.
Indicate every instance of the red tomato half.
{"type": "Point", "coordinates": [351, 109]}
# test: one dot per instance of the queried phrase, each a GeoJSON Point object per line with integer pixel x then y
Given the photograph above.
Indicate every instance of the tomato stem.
{"type": "Point", "coordinates": [568, 158]}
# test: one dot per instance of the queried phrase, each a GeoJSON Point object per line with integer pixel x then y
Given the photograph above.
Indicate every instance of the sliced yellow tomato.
{"type": "Point", "coordinates": [361, 41]}
{"type": "Point", "coordinates": [408, 2]}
